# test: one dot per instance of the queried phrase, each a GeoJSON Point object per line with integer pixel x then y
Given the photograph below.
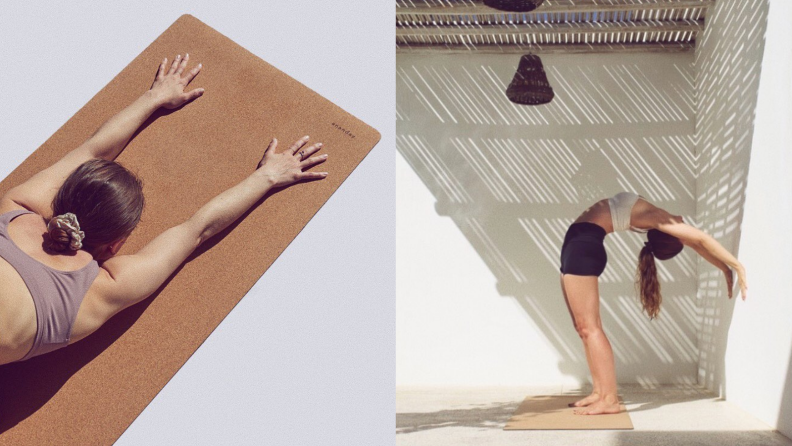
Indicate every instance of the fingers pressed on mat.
{"type": "Point", "coordinates": [312, 175]}
{"type": "Point", "coordinates": [310, 150]}
{"type": "Point", "coordinates": [192, 73]}
{"type": "Point", "coordinates": [175, 64]}
{"type": "Point", "coordinates": [298, 144]}
{"type": "Point", "coordinates": [183, 64]}
{"type": "Point", "coordinates": [161, 70]}
{"type": "Point", "coordinates": [314, 160]}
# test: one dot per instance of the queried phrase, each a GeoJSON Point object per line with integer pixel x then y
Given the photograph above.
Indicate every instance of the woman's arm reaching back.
{"type": "Point", "coordinates": [705, 245]}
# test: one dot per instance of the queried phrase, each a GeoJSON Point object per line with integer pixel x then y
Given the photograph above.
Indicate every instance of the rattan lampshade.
{"type": "Point", "coordinates": [514, 5]}
{"type": "Point", "coordinates": [530, 85]}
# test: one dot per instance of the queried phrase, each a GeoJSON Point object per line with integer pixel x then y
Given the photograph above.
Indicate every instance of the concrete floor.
{"type": "Point", "coordinates": [663, 415]}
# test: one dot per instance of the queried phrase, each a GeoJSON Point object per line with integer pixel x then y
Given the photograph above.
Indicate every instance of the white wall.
{"type": "Point", "coordinates": [754, 337]}
{"type": "Point", "coordinates": [728, 66]}
{"type": "Point", "coordinates": [485, 190]}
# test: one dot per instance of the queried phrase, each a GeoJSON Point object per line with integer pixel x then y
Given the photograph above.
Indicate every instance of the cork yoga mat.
{"type": "Point", "coordinates": [90, 392]}
{"type": "Point", "coordinates": [553, 412]}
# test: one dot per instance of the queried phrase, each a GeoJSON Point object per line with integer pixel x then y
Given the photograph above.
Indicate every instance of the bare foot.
{"type": "Point", "coordinates": [593, 398]}
{"type": "Point", "coordinates": [608, 404]}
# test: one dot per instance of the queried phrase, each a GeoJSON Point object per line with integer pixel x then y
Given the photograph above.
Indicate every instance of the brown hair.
{"type": "Point", "coordinates": [663, 247]}
{"type": "Point", "coordinates": [106, 200]}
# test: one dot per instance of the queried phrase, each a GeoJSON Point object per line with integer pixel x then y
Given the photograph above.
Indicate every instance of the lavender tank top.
{"type": "Point", "coordinates": [57, 294]}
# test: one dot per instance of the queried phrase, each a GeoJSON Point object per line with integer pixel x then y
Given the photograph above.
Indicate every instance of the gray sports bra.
{"type": "Point", "coordinates": [56, 294]}
{"type": "Point", "coordinates": [621, 206]}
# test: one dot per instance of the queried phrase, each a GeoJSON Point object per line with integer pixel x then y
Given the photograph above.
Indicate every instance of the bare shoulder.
{"type": "Point", "coordinates": [8, 205]}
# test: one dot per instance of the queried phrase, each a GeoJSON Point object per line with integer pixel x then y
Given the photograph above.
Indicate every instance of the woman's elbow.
{"type": "Point", "coordinates": [695, 241]}
{"type": "Point", "coordinates": [197, 232]}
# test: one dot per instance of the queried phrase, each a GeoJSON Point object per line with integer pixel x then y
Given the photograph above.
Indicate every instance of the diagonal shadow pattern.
{"type": "Point", "coordinates": [728, 58]}
{"type": "Point", "coordinates": [512, 178]}
{"type": "Point", "coordinates": [616, 126]}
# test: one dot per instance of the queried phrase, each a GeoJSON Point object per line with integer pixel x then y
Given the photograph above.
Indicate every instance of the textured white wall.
{"type": "Point", "coordinates": [728, 66]}
{"type": "Point", "coordinates": [755, 371]}
{"type": "Point", "coordinates": [485, 190]}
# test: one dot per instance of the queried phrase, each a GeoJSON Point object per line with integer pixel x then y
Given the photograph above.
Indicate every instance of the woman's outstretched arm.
{"type": "Point", "coordinates": [706, 246]}
{"type": "Point", "coordinates": [134, 277]}
{"type": "Point", "coordinates": [167, 91]}
{"type": "Point", "coordinates": [36, 193]}
{"type": "Point", "coordinates": [274, 170]}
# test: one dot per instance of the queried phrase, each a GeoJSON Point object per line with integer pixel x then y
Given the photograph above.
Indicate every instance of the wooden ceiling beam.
{"type": "Point", "coordinates": [546, 49]}
{"type": "Point", "coordinates": [477, 7]}
{"type": "Point", "coordinates": [553, 28]}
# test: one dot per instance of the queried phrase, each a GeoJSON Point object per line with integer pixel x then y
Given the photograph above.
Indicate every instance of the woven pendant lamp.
{"type": "Point", "coordinates": [530, 85]}
{"type": "Point", "coordinates": [514, 5]}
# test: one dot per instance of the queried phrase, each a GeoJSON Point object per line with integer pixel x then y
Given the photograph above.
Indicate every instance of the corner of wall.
{"type": "Point", "coordinates": [728, 61]}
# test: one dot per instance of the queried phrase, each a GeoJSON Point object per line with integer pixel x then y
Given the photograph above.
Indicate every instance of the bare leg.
{"type": "Point", "coordinates": [595, 394]}
{"type": "Point", "coordinates": [582, 293]}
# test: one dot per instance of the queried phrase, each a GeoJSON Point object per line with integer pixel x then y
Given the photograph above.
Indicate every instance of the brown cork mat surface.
{"type": "Point", "coordinates": [89, 392]}
{"type": "Point", "coordinates": [553, 412]}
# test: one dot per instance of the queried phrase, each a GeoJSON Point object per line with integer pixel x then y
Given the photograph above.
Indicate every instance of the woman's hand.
{"type": "Point", "coordinates": [740, 280]}
{"type": "Point", "coordinates": [286, 168]}
{"type": "Point", "coordinates": [729, 280]}
{"type": "Point", "coordinates": [169, 85]}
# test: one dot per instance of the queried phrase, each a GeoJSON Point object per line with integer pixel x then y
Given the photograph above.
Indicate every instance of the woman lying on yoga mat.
{"type": "Point", "coordinates": [60, 224]}
{"type": "Point", "coordinates": [583, 259]}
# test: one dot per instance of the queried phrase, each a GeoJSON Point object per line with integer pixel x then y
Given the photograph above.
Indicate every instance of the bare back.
{"type": "Point", "coordinates": [644, 215]}
{"type": "Point", "coordinates": [18, 321]}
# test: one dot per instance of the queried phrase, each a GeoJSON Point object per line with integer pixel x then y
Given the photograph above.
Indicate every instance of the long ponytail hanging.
{"type": "Point", "coordinates": [646, 282]}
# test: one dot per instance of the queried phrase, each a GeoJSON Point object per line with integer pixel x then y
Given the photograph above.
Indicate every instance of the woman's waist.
{"type": "Point", "coordinates": [585, 231]}
{"type": "Point", "coordinates": [17, 313]}
{"type": "Point", "coordinates": [599, 215]}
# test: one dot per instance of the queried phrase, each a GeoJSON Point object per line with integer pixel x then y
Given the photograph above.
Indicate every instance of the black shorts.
{"type": "Point", "coordinates": [583, 251]}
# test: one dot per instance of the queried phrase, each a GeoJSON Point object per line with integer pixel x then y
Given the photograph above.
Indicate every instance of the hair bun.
{"type": "Point", "coordinates": [69, 226]}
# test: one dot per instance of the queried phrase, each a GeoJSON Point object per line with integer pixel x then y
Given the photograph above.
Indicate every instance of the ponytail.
{"type": "Point", "coordinates": [646, 282]}
{"type": "Point", "coordinates": [662, 246]}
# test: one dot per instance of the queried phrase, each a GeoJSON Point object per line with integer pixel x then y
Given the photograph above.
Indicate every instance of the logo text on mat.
{"type": "Point", "coordinates": [345, 131]}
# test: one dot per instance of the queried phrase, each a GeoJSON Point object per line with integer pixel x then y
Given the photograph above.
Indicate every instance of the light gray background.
{"type": "Point", "coordinates": [307, 357]}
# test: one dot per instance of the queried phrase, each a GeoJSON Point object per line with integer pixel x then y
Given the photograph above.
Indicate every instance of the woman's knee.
{"type": "Point", "coordinates": [588, 329]}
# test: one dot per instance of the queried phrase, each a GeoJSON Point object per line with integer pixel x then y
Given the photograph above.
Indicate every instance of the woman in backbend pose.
{"type": "Point", "coordinates": [57, 226]}
{"type": "Point", "coordinates": [583, 259]}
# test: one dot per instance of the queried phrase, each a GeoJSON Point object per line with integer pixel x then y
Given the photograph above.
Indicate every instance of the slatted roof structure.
{"type": "Point", "coordinates": [568, 26]}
